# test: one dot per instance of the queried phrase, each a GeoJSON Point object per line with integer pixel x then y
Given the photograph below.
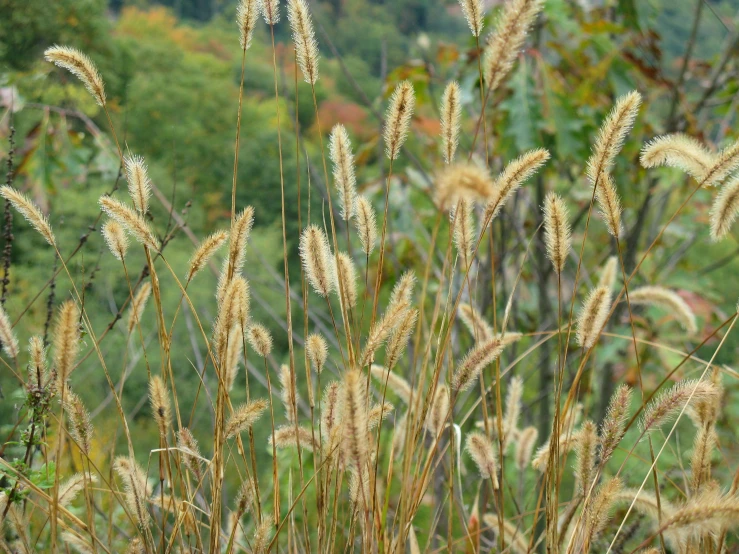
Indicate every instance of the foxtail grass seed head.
{"type": "Point", "coordinates": [135, 546]}
{"type": "Point", "coordinates": [506, 40]}
{"type": "Point", "coordinates": [344, 270]}
{"type": "Point", "coordinates": [316, 256]}
{"type": "Point", "coordinates": [478, 358]}
{"type": "Point", "coordinates": [233, 310]}
{"type": "Point", "coordinates": [608, 273]}
{"type": "Point", "coordinates": [512, 409]}
{"type": "Point", "coordinates": [402, 294]}
{"type": "Point", "coordinates": [525, 446]}
{"type": "Point", "coordinates": [437, 416]}
{"type": "Point", "coordinates": [244, 498]}
{"type": "Point", "coordinates": [598, 510]}
{"type": "Point", "coordinates": [287, 436]}
{"type": "Point", "coordinates": [80, 545]}
{"type": "Point", "coordinates": [462, 182]}
{"type": "Point", "coordinates": [7, 335]}
{"type": "Point", "coordinates": [707, 515]}
{"type": "Point", "coordinates": [259, 339]}
{"type": "Point", "coordinates": [513, 176]}
{"type": "Point", "coordinates": [81, 67]}
{"type": "Point", "coordinates": [244, 417]}
{"type": "Point", "coordinates": [366, 225]}
{"type": "Point", "coordinates": [190, 452]}
{"type": "Point", "coordinates": [161, 408]}
{"type": "Point", "coordinates": [116, 239]}
{"type": "Point", "coordinates": [38, 370]}
{"type": "Point", "coordinates": [585, 452]}
{"type": "Point", "coordinates": [614, 424]}
{"type": "Point", "coordinates": [131, 221]}
{"type": "Point", "coordinates": [670, 403]}
{"type": "Point", "coordinates": [306, 46]}
{"type": "Point", "coordinates": [451, 113]}
{"type": "Point", "coordinates": [473, 13]}
{"type": "Point", "coordinates": [239, 236]}
{"type": "Point", "coordinates": [463, 225]}
{"type": "Point", "coordinates": [378, 413]}
{"type": "Point", "coordinates": [398, 118]}
{"type": "Point", "coordinates": [480, 449]}
{"type": "Point", "coordinates": [399, 338]}
{"type": "Point", "coordinates": [556, 230]}
{"type": "Point", "coordinates": [66, 340]}
{"type": "Point", "coordinates": [205, 252]}
{"type": "Point", "coordinates": [609, 204]}
{"type": "Point", "coordinates": [139, 184]}
{"type": "Point", "coordinates": [289, 393]}
{"type": "Point", "coordinates": [234, 353]}
{"type": "Point", "coordinates": [135, 487]}
{"type": "Point", "coordinates": [727, 161]}
{"type": "Point", "coordinates": [262, 535]}
{"type": "Point", "coordinates": [395, 383]}
{"type": "Point", "coordinates": [593, 316]}
{"type": "Point", "coordinates": [477, 326]}
{"type": "Point", "coordinates": [340, 150]}
{"type": "Point", "coordinates": [29, 211]}
{"type": "Point", "coordinates": [317, 350]}
{"type": "Point", "coordinates": [725, 209]}
{"type": "Point", "coordinates": [679, 151]}
{"type": "Point", "coordinates": [331, 408]}
{"type": "Point", "coordinates": [138, 305]}
{"type": "Point", "coordinates": [667, 300]}
{"type": "Point", "coordinates": [247, 13]}
{"type": "Point", "coordinates": [611, 136]}
{"type": "Point", "coordinates": [270, 11]}
{"type": "Point", "coordinates": [356, 431]}
{"type": "Point", "coordinates": [80, 424]}
{"type": "Point", "coordinates": [69, 490]}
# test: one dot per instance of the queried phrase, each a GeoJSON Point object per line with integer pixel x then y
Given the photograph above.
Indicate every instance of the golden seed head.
{"type": "Point", "coordinates": [473, 13]}
{"type": "Point", "coordinates": [270, 11]}
{"type": "Point", "coordinates": [260, 339]}
{"type": "Point", "coordinates": [480, 449]}
{"type": "Point", "coordinates": [611, 136]}
{"type": "Point", "coordinates": [247, 13]}
{"type": "Point", "coordinates": [139, 184]}
{"type": "Point", "coordinates": [244, 417]}
{"type": "Point", "coordinates": [80, 424]}
{"type": "Point", "coordinates": [304, 37]}
{"type": "Point", "coordinates": [463, 231]}
{"type": "Point", "coordinates": [81, 66]}
{"type": "Point", "coordinates": [317, 351]}
{"type": "Point", "coordinates": [136, 488]}
{"type": "Point", "coordinates": [680, 151]}
{"type": "Point", "coordinates": [344, 269]}
{"type": "Point", "coordinates": [66, 340]}
{"type": "Point", "coordinates": [340, 150]}
{"type": "Point", "coordinates": [7, 335]}
{"type": "Point", "coordinates": [451, 114]}
{"type": "Point", "coordinates": [29, 211]}
{"type": "Point", "coordinates": [289, 393]}
{"type": "Point", "coordinates": [607, 277]}
{"type": "Point", "coordinates": [506, 40]}
{"type": "Point", "coordinates": [138, 305]}
{"type": "Point", "coordinates": [556, 230]}
{"type": "Point", "coordinates": [116, 239]}
{"type": "Point", "coordinates": [398, 118]}
{"type": "Point", "coordinates": [131, 220]}
{"type": "Point", "coordinates": [725, 209]}
{"type": "Point", "coordinates": [667, 300]}
{"type": "Point", "coordinates": [513, 176]}
{"type": "Point", "coordinates": [205, 252]}
{"type": "Point", "coordinates": [316, 256]}
{"type": "Point", "coordinates": [593, 316]}
{"type": "Point", "coordinates": [160, 406]}
{"type": "Point", "coordinates": [366, 225]}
